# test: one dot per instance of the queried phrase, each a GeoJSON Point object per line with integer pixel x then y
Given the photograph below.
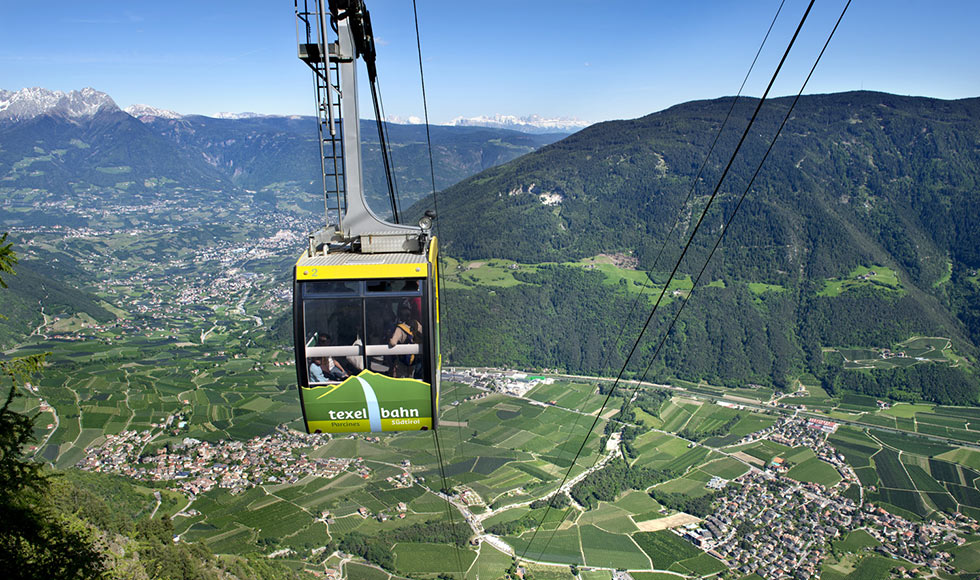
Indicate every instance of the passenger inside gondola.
{"type": "Point", "coordinates": [334, 368]}
{"type": "Point", "coordinates": [316, 371]}
{"type": "Point", "coordinates": [408, 330]}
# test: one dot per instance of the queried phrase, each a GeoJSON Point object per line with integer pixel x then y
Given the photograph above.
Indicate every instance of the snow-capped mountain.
{"type": "Point", "coordinates": [141, 111]}
{"type": "Point", "coordinates": [531, 124]}
{"type": "Point", "coordinates": [29, 103]}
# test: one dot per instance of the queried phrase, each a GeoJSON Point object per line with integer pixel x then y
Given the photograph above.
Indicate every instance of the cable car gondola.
{"type": "Point", "coordinates": [365, 292]}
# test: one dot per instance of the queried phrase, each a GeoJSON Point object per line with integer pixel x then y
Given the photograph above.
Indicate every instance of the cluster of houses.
{"type": "Point", "coordinates": [167, 296]}
{"type": "Point", "coordinates": [799, 432]}
{"type": "Point", "coordinates": [776, 527]}
{"type": "Point", "coordinates": [400, 511]}
{"type": "Point", "coordinates": [402, 480]}
{"type": "Point", "coordinates": [779, 528]}
{"type": "Point", "coordinates": [196, 466]}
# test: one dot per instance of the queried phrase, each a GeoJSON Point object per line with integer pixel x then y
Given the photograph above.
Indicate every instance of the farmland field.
{"type": "Point", "coordinates": [702, 565]}
{"type": "Point", "coordinates": [890, 470]}
{"type": "Point", "coordinates": [422, 558]}
{"type": "Point", "coordinates": [857, 449]}
{"type": "Point", "coordinates": [665, 548]}
{"type": "Point", "coordinates": [922, 480]}
{"type": "Point", "coordinates": [725, 468]}
{"type": "Point", "coordinates": [608, 518]}
{"type": "Point", "coordinates": [860, 402]}
{"type": "Point", "coordinates": [873, 568]}
{"type": "Point", "coordinates": [611, 550]}
{"type": "Point", "coordinates": [913, 444]}
{"type": "Point", "coordinates": [904, 499]}
{"type": "Point", "coordinates": [561, 546]}
{"type": "Point", "coordinates": [856, 541]}
{"type": "Point", "coordinates": [968, 457]}
{"type": "Point", "coordinates": [815, 471]}
{"type": "Point", "coordinates": [765, 450]}
{"type": "Point", "coordinates": [945, 471]}
{"type": "Point", "coordinates": [967, 556]}
{"type": "Point", "coordinates": [356, 571]}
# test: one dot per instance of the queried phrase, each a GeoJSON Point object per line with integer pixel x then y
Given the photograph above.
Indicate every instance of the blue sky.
{"type": "Point", "coordinates": [584, 59]}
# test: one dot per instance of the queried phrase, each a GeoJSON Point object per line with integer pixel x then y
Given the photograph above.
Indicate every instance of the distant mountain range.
{"type": "Point", "coordinates": [29, 103]}
{"type": "Point", "coordinates": [81, 140]}
{"type": "Point", "coordinates": [143, 112]}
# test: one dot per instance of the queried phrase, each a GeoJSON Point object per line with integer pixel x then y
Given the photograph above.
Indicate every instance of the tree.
{"type": "Point", "coordinates": [35, 541]}
{"type": "Point", "coordinates": [7, 258]}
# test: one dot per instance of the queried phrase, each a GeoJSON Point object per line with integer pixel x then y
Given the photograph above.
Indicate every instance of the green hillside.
{"type": "Point", "coordinates": [860, 231]}
{"type": "Point", "coordinates": [36, 294]}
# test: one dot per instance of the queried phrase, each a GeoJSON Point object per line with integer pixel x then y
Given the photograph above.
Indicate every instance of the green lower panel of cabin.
{"type": "Point", "coordinates": [368, 402]}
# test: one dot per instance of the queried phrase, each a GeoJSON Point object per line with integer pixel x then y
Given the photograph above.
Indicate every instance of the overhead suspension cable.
{"type": "Point", "coordinates": [443, 300]}
{"type": "Point", "coordinates": [741, 198]}
{"type": "Point", "coordinates": [677, 264]}
{"type": "Point", "coordinates": [647, 283]}
{"type": "Point", "coordinates": [428, 136]}
{"type": "Point", "coordinates": [450, 509]}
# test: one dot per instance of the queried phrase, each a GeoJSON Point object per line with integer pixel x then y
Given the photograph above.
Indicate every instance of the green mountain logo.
{"type": "Point", "coordinates": [369, 402]}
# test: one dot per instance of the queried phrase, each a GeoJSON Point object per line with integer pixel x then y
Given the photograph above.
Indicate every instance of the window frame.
{"type": "Point", "coordinates": [364, 296]}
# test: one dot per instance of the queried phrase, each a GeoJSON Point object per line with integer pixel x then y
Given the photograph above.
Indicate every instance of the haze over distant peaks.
{"type": "Point", "coordinates": [245, 115]}
{"type": "Point", "coordinates": [529, 124]}
{"type": "Point", "coordinates": [31, 102]}
{"type": "Point", "coordinates": [140, 111]}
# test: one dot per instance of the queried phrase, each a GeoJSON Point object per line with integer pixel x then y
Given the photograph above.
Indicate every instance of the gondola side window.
{"type": "Point", "coordinates": [382, 329]}
{"type": "Point", "coordinates": [395, 337]}
{"type": "Point", "coordinates": [332, 331]}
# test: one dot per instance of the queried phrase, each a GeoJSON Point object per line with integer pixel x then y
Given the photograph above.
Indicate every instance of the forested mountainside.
{"type": "Point", "coordinates": [106, 151]}
{"type": "Point", "coordinates": [37, 291]}
{"type": "Point", "coordinates": [854, 177]}
{"type": "Point", "coordinates": [858, 182]}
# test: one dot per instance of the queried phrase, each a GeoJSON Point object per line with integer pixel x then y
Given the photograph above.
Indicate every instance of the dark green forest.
{"type": "Point", "coordinates": [566, 318]}
{"type": "Point", "coordinates": [614, 478]}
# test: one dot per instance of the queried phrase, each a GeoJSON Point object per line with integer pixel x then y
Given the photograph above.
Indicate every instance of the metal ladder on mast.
{"type": "Point", "coordinates": [326, 77]}
{"type": "Point", "coordinates": [334, 65]}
